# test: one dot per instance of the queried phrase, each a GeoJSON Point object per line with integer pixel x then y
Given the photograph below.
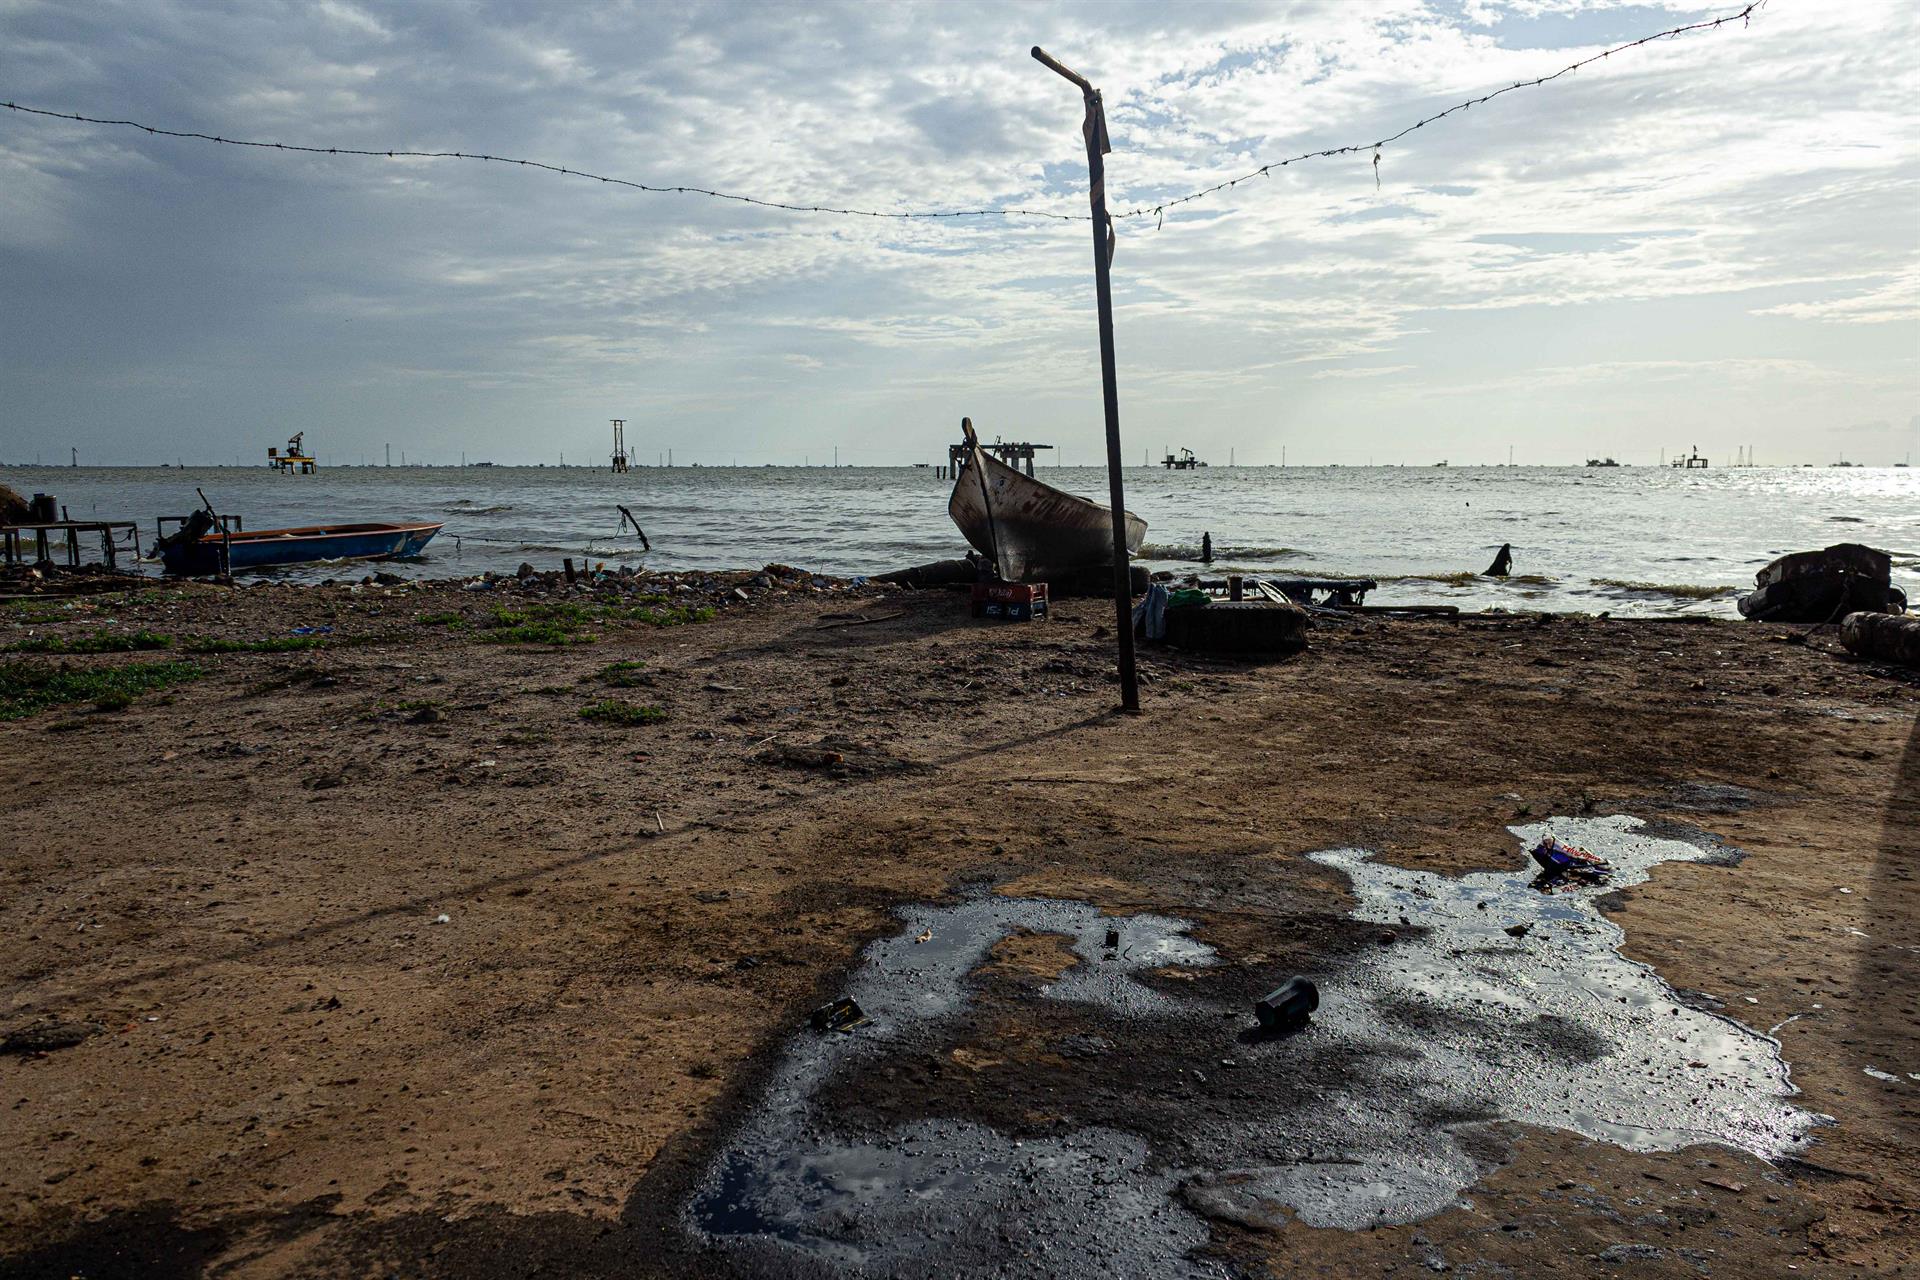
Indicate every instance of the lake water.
{"type": "Point", "coordinates": [1577, 533]}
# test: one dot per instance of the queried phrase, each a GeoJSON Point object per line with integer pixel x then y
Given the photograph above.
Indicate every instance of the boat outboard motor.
{"type": "Point", "coordinates": [192, 529]}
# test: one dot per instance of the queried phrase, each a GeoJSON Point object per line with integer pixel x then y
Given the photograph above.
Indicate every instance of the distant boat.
{"type": "Point", "coordinates": [193, 553]}
{"type": "Point", "coordinates": [1601, 462]}
{"type": "Point", "coordinates": [1029, 529]}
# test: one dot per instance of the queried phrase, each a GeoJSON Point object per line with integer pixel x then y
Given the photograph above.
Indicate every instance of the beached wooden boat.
{"type": "Point", "coordinates": [1032, 531]}
{"type": "Point", "coordinates": [262, 548]}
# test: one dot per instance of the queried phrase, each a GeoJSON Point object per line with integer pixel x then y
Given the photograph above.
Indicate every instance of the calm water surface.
{"type": "Point", "coordinates": [1576, 533]}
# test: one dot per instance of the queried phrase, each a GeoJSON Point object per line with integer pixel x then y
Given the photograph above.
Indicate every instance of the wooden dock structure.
{"type": "Point", "coordinates": [13, 540]}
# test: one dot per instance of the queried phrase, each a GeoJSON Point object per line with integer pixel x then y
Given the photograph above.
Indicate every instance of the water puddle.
{"type": "Point", "coordinates": [952, 1197]}
{"type": "Point", "coordinates": [1382, 1111]}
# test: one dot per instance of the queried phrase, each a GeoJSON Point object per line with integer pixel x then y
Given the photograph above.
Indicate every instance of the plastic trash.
{"type": "Point", "coordinates": [1558, 858]}
{"type": "Point", "coordinates": [1150, 615]}
{"type": "Point", "coordinates": [843, 1014]}
{"type": "Point", "coordinates": [313, 631]}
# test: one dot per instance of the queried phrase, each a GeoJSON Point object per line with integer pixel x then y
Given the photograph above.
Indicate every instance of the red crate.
{"type": "Point", "coordinates": [1009, 592]}
{"type": "Point", "coordinates": [1035, 612]}
{"type": "Point", "coordinates": [1011, 601]}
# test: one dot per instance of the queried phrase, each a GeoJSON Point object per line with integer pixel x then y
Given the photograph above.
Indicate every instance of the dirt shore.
{"type": "Point", "coordinates": [378, 956]}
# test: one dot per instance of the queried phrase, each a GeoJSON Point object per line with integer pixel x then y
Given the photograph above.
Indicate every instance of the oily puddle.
{"type": "Point", "coordinates": [1382, 1111]}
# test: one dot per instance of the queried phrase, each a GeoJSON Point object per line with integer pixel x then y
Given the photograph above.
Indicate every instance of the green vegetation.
{"type": "Point", "coordinates": [552, 624]}
{"type": "Point", "coordinates": [553, 633]}
{"type": "Point", "coordinates": [448, 619]}
{"type": "Point", "coordinates": [272, 644]}
{"type": "Point", "coordinates": [96, 642]}
{"type": "Point", "coordinates": [146, 595]}
{"type": "Point", "coordinates": [27, 687]}
{"type": "Point", "coordinates": [566, 622]}
{"type": "Point", "coordinates": [626, 714]}
{"type": "Point", "coordinates": [565, 612]}
{"type": "Point", "coordinates": [671, 616]}
{"type": "Point", "coordinates": [626, 675]}
{"type": "Point", "coordinates": [29, 612]}
{"type": "Point", "coordinates": [1678, 590]}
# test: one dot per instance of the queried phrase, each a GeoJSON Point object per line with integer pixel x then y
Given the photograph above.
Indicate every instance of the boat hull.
{"type": "Point", "coordinates": [266, 548]}
{"type": "Point", "coordinates": [1032, 531]}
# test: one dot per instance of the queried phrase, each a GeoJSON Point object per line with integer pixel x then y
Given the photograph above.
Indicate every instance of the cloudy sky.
{"type": "Point", "coordinates": [1713, 240]}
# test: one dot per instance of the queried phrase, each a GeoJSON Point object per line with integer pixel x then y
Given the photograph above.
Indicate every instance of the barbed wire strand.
{"type": "Point", "coordinates": [1156, 208]}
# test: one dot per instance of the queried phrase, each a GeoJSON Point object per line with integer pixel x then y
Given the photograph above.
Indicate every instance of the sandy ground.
{"type": "Point", "coordinates": [301, 1069]}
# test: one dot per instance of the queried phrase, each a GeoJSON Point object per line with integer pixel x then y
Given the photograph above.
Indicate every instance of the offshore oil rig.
{"type": "Point", "coordinates": [619, 445]}
{"type": "Point", "coordinates": [295, 461]}
{"type": "Point", "coordinates": [1012, 452]}
{"type": "Point", "coordinates": [1182, 461]}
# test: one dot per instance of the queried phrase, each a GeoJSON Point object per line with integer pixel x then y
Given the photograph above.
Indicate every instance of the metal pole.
{"type": "Point", "coordinates": [1095, 130]}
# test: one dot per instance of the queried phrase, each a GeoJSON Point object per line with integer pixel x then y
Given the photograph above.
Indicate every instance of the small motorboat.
{"type": "Point", "coordinates": [1030, 531]}
{"type": "Point", "coordinates": [199, 548]}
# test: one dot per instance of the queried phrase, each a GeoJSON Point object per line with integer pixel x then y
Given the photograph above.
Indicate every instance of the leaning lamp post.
{"type": "Point", "coordinates": [1095, 130]}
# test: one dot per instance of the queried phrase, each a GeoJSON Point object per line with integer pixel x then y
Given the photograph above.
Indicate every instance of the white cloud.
{"type": "Point", "coordinates": [1897, 298]}
{"type": "Point", "coordinates": [1701, 208]}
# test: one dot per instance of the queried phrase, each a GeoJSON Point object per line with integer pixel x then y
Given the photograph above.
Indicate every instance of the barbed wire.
{"type": "Point", "coordinates": [1156, 208]}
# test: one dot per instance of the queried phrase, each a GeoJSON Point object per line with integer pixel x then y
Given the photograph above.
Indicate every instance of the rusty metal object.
{"type": "Point", "coordinates": [1821, 586]}
{"type": "Point", "coordinates": [1886, 637]}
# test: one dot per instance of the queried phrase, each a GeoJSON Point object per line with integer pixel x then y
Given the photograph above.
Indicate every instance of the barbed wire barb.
{"type": "Point", "coordinates": [1157, 208]}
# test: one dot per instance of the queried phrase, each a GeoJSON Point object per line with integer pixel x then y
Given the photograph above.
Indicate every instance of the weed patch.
{"type": "Point", "coordinates": [667, 616]}
{"type": "Point", "coordinates": [1678, 590]}
{"type": "Point", "coordinates": [625, 714]}
{"type": "Point", "coordinates": [28, 687]}
{"type": "Point", "coordinates": [272, 644]}
{"type": "Point", "coordinates": [626, 675]}
{"type": "Point", "coordinates": [96, 642]}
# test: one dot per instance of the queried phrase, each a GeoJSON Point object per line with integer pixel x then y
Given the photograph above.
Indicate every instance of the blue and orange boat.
{"type": "Point", "coordinates": [200, 549]}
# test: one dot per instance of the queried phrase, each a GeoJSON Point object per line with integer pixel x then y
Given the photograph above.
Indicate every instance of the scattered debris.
{"type": "Point", "coordinates": [1558, 858]}
{"type": "Point", "coordinates": [1288, 1006]}
{"type": "Point", "coordinates": [843, 1014]}
{"type": "Point", "coordinates": [1820, 586]}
